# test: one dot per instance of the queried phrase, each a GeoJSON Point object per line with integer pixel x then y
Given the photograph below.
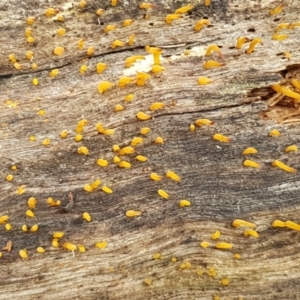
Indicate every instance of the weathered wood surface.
{"type": "Point", "coordinates": [213, 177]}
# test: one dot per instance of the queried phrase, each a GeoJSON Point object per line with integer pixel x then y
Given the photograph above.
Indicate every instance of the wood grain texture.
{"type": "Point", "coordinates": [213, 177]}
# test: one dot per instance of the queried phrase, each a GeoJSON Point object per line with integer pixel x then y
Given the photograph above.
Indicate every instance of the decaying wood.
{"type": "Point", "coordinates": [213, 177]}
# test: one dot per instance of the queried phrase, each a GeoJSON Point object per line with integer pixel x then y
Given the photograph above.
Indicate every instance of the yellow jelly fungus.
{"type": "Point", "coordinates": [173, 260]}
{"type": "Point", "coordinates": [101, 245]}
{"type": "Point", "coordinates": [23, 253]}
{"type": "Point", "coordinates": [127, 22]}
{"type": "Point", "coordinates": [3, 219]}
{"type": "Point", "coordinates": [35, 81]}
{"type": "Point", "coordinates": [31, 202]}
{"type": "Point", "coordinates": [50, 12]}
{"type": "Point", "coordinates": [207, 2]}
{"type": "Point", "coordinates": [81, 248]}
{"type": "Point", "coordinates": [14, 168]}
{"type": "Point", "coordinates": [239, 222]}
{"type": "Point", "coordinates": [82, 4]}
{"type": "Point", "coordinates": [80, 44]}
{"type": "Point", "coordinates": [159, 140]}
{"type": "Point", "coordinates": [113, 2]}
{"type": "Point", "coordinates": [274, 132]}
{"type": "Point", "coordinates": [184, 203]}
{"type": "Point", "coordinates": [58, 234]}
{"type": "Point", "coordinates": [109, 131]}
{"type": "Point", "coordinates": [40, 250]}
{"type": "Point", "coordinates": [124, 164]}
{"type": "Point", "coordinates": [41, 112]}
{"type": "Point", "coordinates": [83, 69]}
{"type": "Point", "coordinates": [215, 235]}
{"type": "Point", "coordinates": [163, 194]}
{"type": "Point", "coordinates": [249, 150]}
{"type": "Point", "coordinates": [204, 244]}
{"type": "Point", "coordinates": [52, 202]}
{"type": "Point", "coordinates": [241, 41]}
{"type": "Point", "coordinates": [101, 67]}
{"type": "Point", "coordinates": [279, 37]}
{"type": "Point", "coordinates": [212, 64]}
{"type": "Point", "coordinates": [184, 9]}
{"type": "Point", "coordinates": [145, 5]}
{"type": "Point", "coordinates": [200, 24]}
{"type": "Point", "coordinates": [53, 73]}
{"type": "Point", "coordinates": [59, 51]}
{"type": "Point", "coordinates": [86, 216]}
{"type": "Point", "coordinates": [17, 66]}
{"type": "Point", "coordinates": [148, 281]}
{"type": "Point", "coordinates": [157, 69]}
{"type": "Point", "coordinates": [64, 134]}
{"type": "Point", "coordinates": [253, 44]}
{"type": "Point", "coordinates": [31, 20]}
{"type": "Point", "coordinates": [34, 228]}
{"type": "Point", "coordinates": [135, 141]}
{"type": "Point", "coordinates": [104, 86]}
{"type": "Point", "coordinates": [172, 17]}
{"type": "Point", "coordinates": [116, 159]}
{"type": "Point", "coordinates": [292, 225]}
{"type": "Point", "coordinates": [9, 177]}
{"type": "Point", "coordinates": [237, 256]}
{"type": "Point", "coordinates": [296, 83]}
{"type": "Point", "coordinates": [281, 165]}
{"type": "Point", "coordinates": [88, 188]}
{"type": "Point", "coordinates": [129, 97]}
{"type": "Point", "coordinates": [8, 227]}
{"type": "Point", "coordinates": [276, 10]}
{"type": "Point", "coordinates": [69, 246]}
{"type": "Point", "coordinates": [29, 213]}
{"type": "Point", "coordinates": [102, 162]}
{"type": "Point", "coordinates": [141, 78]}
{"type": "Point", "coordinates": [95, 184]}
{"type": "Point", "coordinates": [288, 56]}
{"type": "Point", "coordinates": [145, 130]}
{"type": "Point", "coordinates": [133, 213]}
{"type": "Point", "coordinates": [142, 116]}
{"type": "Point", "coordinates": [46, 142]}
{"type": "Point", "coordinates": [250, 232]}
{"type": "Point", "coordinates": [83, 150]}
{"type": "Point", "coordinates": [61, 31]}
{"type": "Point", "coordinates": [12, 58]}
{"type": "Point", "coordinates": [131, 40]}
{"type": "Point", "coordinates": [78, 137]}
{"type": "Point", "coordinates": [285, 91]}
{"type": "Point", "coordinates": [117, 43]}
{"type": "Point", "coordinates": [24, 228]}
{"type": "Point", "coordinates": [21, 189]}
{"type": "Point", "coordinates": [204, 80]}
{"type": "Point", "coordinates": [30, 39]}
{"type": "Point", "coordinates": [173, 176]}
{"type": "Point", "coordinates": [156, 256]}
{"type": "Point", "coordinates": [110, 28]}
{"type": "Point", "coordinates": [60, 18]}
{"type": "Point", "coordinates": [225, 281]}
{"type": "Point", "coordinates": [157, 106]}
{"type": "Point", "coordinates": [141, 158]}
{"type": "Point", "coordinates": [32, 138]}
{"type": "Point", "coordinates": [107, 190]}
{"type": "Point", "coordinates": [127, 150]}
{"type": "Point", "coordinates": [90, 51]}
{"type": "Point", "coordinates": [28, 31]}
{"type": "Point", "coordinates": [291, 148]}
{"type": "Point", "coordinates": [132, 59]}
{"type": "Point", "coordinates": [81, 124]}
{"type": "Point", "coordinates": [221, 138]}
{"type": "Point", "coordinates": [123, 81]}
{"type": "Point", "coordinates": [115, 148]}
{"type": "Point", "coordinates": [55, 243]}
{"type": "Point", "coordinates": [155, 177]}
{"type": "Point", "coordinates": [278, 223]}
{"type": "Point", "coordinates": [251, 163]}
{"type": "Point", "coordinates": [212, 48]}
{"type": "Point", "coordinates": [192, 128]}
{"type": "Point", "coordinates": [201, 122]}
{"type": "Point", "coordinates": [224, 246]}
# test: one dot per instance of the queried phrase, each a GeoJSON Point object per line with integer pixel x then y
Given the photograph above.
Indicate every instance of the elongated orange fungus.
{"type": "Point", "coordinates": [201, 122]}
{"type": "Point", "coordinates": [224, 246]}
{"type": "Point", "coordinates": [214, 48]}
{"type": "Point", "coordinates": [204, 80]}
{"type": "Point", "coordinates": [251, 232]}
{"type": "Point", "coordinates": [172, 175]}
{"type": "Point", "coordinates": [213, 64]}
{"type": "Point", "coordinates": [274, 132]}
{"type": "Point", "coordinates": [276, 10]}
{"type": "Point", "coordinates": [132, 213]}
{"type": "Point", "coordinates": [281, 165]}
{"type": "Point", "coordinates": [239, 222]}
{"type": "Point", "coordinates": [291, 148]}
{"type": "Point", "coordinates": [241, 41]}
{"type": "Point", "coordinates": [252, 45]}
{"type": "Point", "coordinates": [221, 138]}
{"type": "Point", "coordinates": [292, 225]}
{"type": "Point", "coordinates": [286, 91]}
{"type": "Point", "coordinates": [142, 116]}
{"type": "Point", "coordinates": [184, 9]}
{"type": "Point", "coordinates": [163, 194]}
{"type": "Point", "coordinates": [251, 163]}
{"type": "Point", "coordinates": [184, 203]}
{"type": "Point", "coordinates": [200, 24]}
{"type": "Point", "coordinates": [249, 150]}
{"type": "Point", "coordinates": [172, 17]}
{"type": "Point", "coordinates": [278, 223]}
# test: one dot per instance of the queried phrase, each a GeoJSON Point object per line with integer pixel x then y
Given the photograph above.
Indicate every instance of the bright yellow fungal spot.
{"type": "Point", "coordinates": [116, 159]}
{"type": "Point", "coordinates": [8, 227]}
{"type": "Point", "coordinates": [131, 40]}
{"type": "Point", "coordinates": [32, 138]}
{"type": "Point", "coordinates": [41, 112]}
{"type": "Point", "coordinates": [173, 175]}
{"type": "Point", "coordinates": [9, 177]}
{"type": "Point", "coordinates": [86, 216]}
{"type": "Point", "coordinates": [156, 256]}
{"type": "Point", "coordinates": [29, 213]}
{"type": "Point", "coordinates": [291, 148]}
{"type": "Point", "coordinates": [214, 48]}
{"type": "Point", "coordinates": [14, 168]}
{"type": "Point", "coordinates": [285, 91]}
{"type": "Point", "coordinates": [126, 150]}
{"type": "Point", "coordinates": [3, 219]}
{"type": "Point", "coordinates": [129, 97]}
{"type": "Point", "coordinates": [184, 9]}
{"type": "Point", "coordinates": [83, 69]}
{"type": "Point", "coordinates": [141, 158]}
{"type": "Point", "coordinates": [107, 190]}
{"type": "Point", "coordinates": [157, 69]}
{"type": "Point", "coordinates": [117, 43]}
{"type": "Point", "coordinates": [251, 163]}
{"type": "Point", "coordinates": [69, 246]}
{"type": "Point", "coordinates": [133, 213]}
{"type": "Point", "coordinates": [95, 184]}
{"type": "Point", "coordinates": [30, 39]}
{"type": "Point", "coordinates": [28, 31]}
{"type": "Point", "coordinates": [296, 83]}
{"type": "Point", "coordinates": [101, 67]}
{"type": "Point", "coordinates": [241, 41]}
{"type": "Point", "coordinates": [204, 80]}
{"type": "Point", "coordinates": [148, 281]}
{"type": "Point", "coordinates": [142, 116]}
{"type": "Point", "coordinates": [34, 228]}
{"type": "Point", "coordinates": [52, 202]}
{"type": "Point", "coordinates": [184, 203]}
{"type": "Point", "coordinates": [163, 194]}
{"type": "Point", "coordinates": [253, 44]}
{"type": "Point", "coordinates": [31, 202]}
{"type": "Point", "coordinates": [23, 253]}
{"type": "Point", "coordinates": [35, 81]}
{"type": "Point", "coordinates": [110, 28]}
{"type": "Point", "coordinates": [127, 22]}
{"type": "Point", "coordinates": [192, 128]}
{"type": "Point", "coordinates": [81, 44]}
{"type": "Point", "coordinates": [135, 141]}
{"type": "Point", "coordinates": [90, 51]}
{"type": "Point", "coordinates": [274, 132]}
{"type": "Point", "coordinates": [124, 164]}
{"type": "Point", "coordinates": [61, 31]}
{"type": "Point", "coordinates": [59, 51]}
{"type": "Point", "coordinates": [88, 188]}
{"type": "Point", "coordinates": [224, 246]}
{"type": "Point", "coordinates": [31, 20]}
{"type": "Point", "coordinates": [64, 134]}
{"type": "Point", "coordinates": [12, 58]}
{"type": "Point", "coordinates": [83, 150]}
{"type": "Point", "coordinates": [173, 259]}
{"type": "Point", "coordinates": [24, 228]}
{"type": "Point", "coordinates": [221, 138]}
{"type": "Point", "coordinates": [279, 37]}
{"type": "Point", "coordinates": [53, 73]}
{"type": "Point", "coordinates": [58, 234]}
{"type": "Point", "coordinates": [123, 81]}
{"type": "Point", "coordinates": [200, 24]}
{"type": "Point", "coordinates": [215, 235]}
{"type": "Point", "coordinates": [101, 245]}
{"type": "Point", "coordinates": [278, 223]}
{"type": "Point", "coordinates": [207, 2]}
{"type": "Point", "coordinates": [237, 256]}
{"type": "Point", "coordinates": [159, 140]}
{"type": "Point", "coordinates": [55, 243]}
{"type": "Point", "coordinates": [292, 225]}
{"type": "Point", "coordinates": [102, 162]}
{"type": "Point", "coordinates": [82, 4]}
{"type": "Point", "coordinates": [40, 250]}
{"type": "Point", "coordinates": [145, 5]}
{"type": "Point", "coordinates": [50, 12]}
{"type": "Point", "coordinates": [81, 248]}
{"type": "Point", "coordinates": [17, 66]}
{"type": "Point", "coordinates": [276, 10]}
{"type": "Point", "coordinates": [251, 232]}
{"type": "Point", "coordinates": [116, 148]}
{"type": "Point", "coordinates": [145, 130]}
{"type": "Point", "coordinates": [225, 281]}
{"type": "Point", "coordinates": [281, 165]}
{"type": "Point", "coordinates": [155, 177]}
{"type": "Point", "coordinates": [249, 150]}
{"type": "Point", "coordinates": [104, 86]}
{"type": "Point", "coordinates": [46, 142]}
{"type": "Point", "coordinates": [132, 59]}
{"type": "Point", "coordinates": [21, 189]}
{"type": "Point", "coordinates": [204, 244]}
{"type": "Point", "coordinates": [141, 78]}
{"type": "Point", "coordinates": [239, 222]}
{"type": "Point", "coordinates": [172, 17]}
{"type": "Point", "coordinates": [157, 106]}
{"type": "Point", "coordinates": [212, 64]}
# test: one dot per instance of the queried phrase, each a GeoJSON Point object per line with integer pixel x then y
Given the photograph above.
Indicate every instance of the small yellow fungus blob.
{"type": "Point", "coordinates": [41, 112]}
{"type": "Point", "coordinates": [78, 137]}
{"type": "Point", "coordinates": [64, 134]}
{"type": "Point", "coordinates": [131, 40]}
{"type": "Point", "coordinates": [24, 228]}
{"type": "Point", "coordinates": [124, 81]}
{"type": "Point", "coordinates": [204, 244]}
{"type": "Point", "coordinates": [212, 48]}
{"type": "Point", "coordinates": [61, 31]}
{"type": "Point", "coordinates": [155, 177]}
{"type": "Point", "coordinates": [127, 22]}
{"type": "Point", "coordinates": [30, 39]}
{"type": "Point", "coordinates": [129, 97]}
{"type": "Point", "coordinates": [241, 41]}
{"type": "Point", "coordinates": [285, 91]}
{"type": "Point", "coordinates": [224, 246]}
{"type": "Point", "coordinates": [102, 162]}
{"type": "Point", "coordinates": [292, 225]}
{"type": "Point", "coordinates": [279, 37]}
{"type": "Point", "coordinates": [32, 138]}
{"type": "Point", "coordinates": [31, 202]}
{"type": "Point", "coordinates": [132, 59]}
{"type": "Point", "coordinates": [52, 202]}
{"type": "Point", "coordinates": [249, 150]}
{"type": "Point", "coordinates": [157, 106]}
{"type": "Point", "coordinates": [291, 148]}
{"type": "Point", "coordinates": [159, 140]}
{"type": "Point", "coordinates": [172, 17]}
{"type": "Point", "coordinates": [276, 10]}
{"type": "Point", "coordinates": [133, 213]}
{"type": "Point", "coordinates": [59, 51]}
{"type": "Point", "coordinates": [14, 168]}
{"type": "Point", "coordinates": [274, 132]}
{"type": "Point", "coordinates": [29, 213]}
{"type": "Point", "coordinates": [21, 189]}
{"type": "Point", "coordinates": [28, 31]}
{"type": "Point", "coordinates": [237, 256]}
{"type": "Point", "coordinates": [148, 281]}
{"type": "Point", "coordinates": [40, 250]}
{"type": "Point", "coordinates": [163, 194]}
{"type": "Point", "coordinates": [225, 281]}
{"type": "Point", "coordinates": [82, 4]}
{"type": "Point", "coordinates": [31, 20]}
{"type": "Point", "coordinates": [101, 67]}
{"type": "Point", "coordinates": [110, 28]}
{"type": "Point", "coordinates": [135, 141]}
{"type": "Point", "coordinates": [117, 43]}
{"type": "Point", "coordinates": [116, 148]}
{"type": "Point", "coordinates": [281, 165]}
{"type": "Point", "coordinates": [142, 116]}
{"type": "Point", "coordinates": [34, 228]}
{"type": "Point", "coordinates": [80, 44]}
{"type": "Point", "coordinates": [126, 150]}
{"type": "Point", "coordinates": [17, 66]}
{"type": "Point", "coordinates": [3, 219]}
{"type": "Point", "coordinates": [141, 78]}
{"type": "Point", "coordinates": [201, 122]}
{"type": "Point", "coordinates": [192, 128]}
{"type": "Point", "coordinates": [239, 222]}
{"type": "Point", "coordinates": [124, 164]}
{"type": "Point", "coordinates": [60, 18]}
{"type": "Point", "coordinates": [83, 150]}
{"type": "Point", "coordinates": [90, 51]}
{"type": "Point", "coordinates": [157, 69]}
{"type": "Point", "coordinates": [251, 232]}
{"type": "Point", "coordinates": [200, 24]}
{"type": "Point", "coordinates": [215, 235]}
{"type": "Point", "coordinates": [101, 245]}
{"type": "Point", "coordinates": [8, 227]}
{"type": "Point", "coordinates": [251, 163]}
{"type": "Point", "coordinates": [253, 44]}
{"type": "Point", "coordinates": [221, 138]}
{"type": "Point", "coordinates": [184, 203]}
{"type": "Point", "coordinates": [173, 260]}
{"type": "Point", "coordinates": [278, 223]}
{"type": "Point", "coordinates": [184, 9]}
{"type": "Point", "coordinates": [53, 73]}
{"type": "Point", "coordinates": [116, 159]}
{"type": "Point", "coordinates": [50, 12]}
{"type": "Point", "coordinates": [204, 80]}
{"type": "Point", "coordinates": [141, 158]}
{"type": "Point", "coordinates": [23, 253]}
{"type": "Point", "coordinates": [83, 69]}
{"type": "Point", "coordinates": [9, 177]}
{"type": "Point", "coordinates": [81, 248]}
{"type": "Point", "coordinates": [95, 184]}
{"type": "Point", "coordinates": [145, 130]}
{"type": "Point", "coordinates": [86, 216]}
{"type": "Point", "coordinates": [46, 142]}
{"type": "Point", "coordinates": [58, 234]}
{"type": "Point", "coordinates": [212, 64]}
{"type": "Point", "coordinates": [88, 188]}
{"type": "Point", "coordinates": [35, 81]}
{"type": "Point", "coordinates": [156, 256]}
{"type": "Point", "coordinates": [173, 176]}
{"type": "Point", "coordinates": [146, 5]}
{"type": "Point", "coordinates": [104, 86]}
{"type": "Point", "coordinates": [107, 190]}
{"type": "Point", "coordinates": [55, 243]}
{"type": "Point", "coordinates": [69, 246]}
{"type": "Point", "coordinates": [12, 58]}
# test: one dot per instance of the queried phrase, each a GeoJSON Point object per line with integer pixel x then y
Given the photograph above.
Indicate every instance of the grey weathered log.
{"type": "Point", "coordinates": [213, 177]}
